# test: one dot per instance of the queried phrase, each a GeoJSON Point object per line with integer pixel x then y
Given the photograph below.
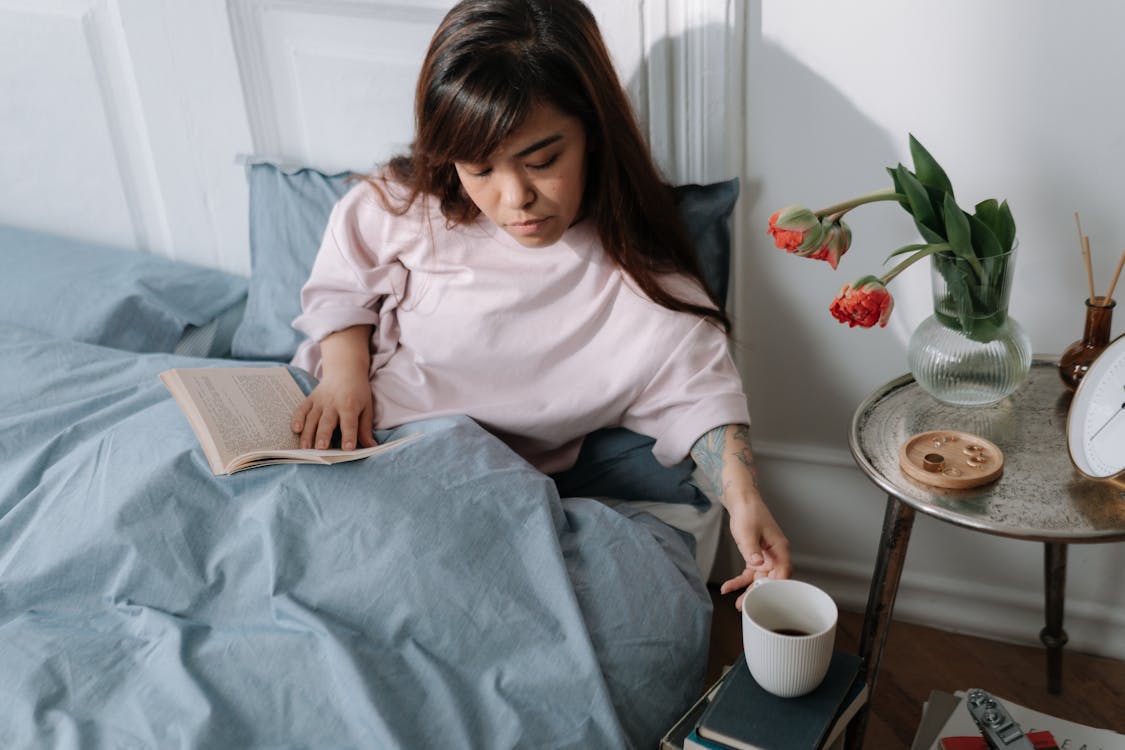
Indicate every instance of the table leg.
{"type": "Point", "coordinates": [1053, 635]}
{"type": "Point", "coordinates": [897, 524]}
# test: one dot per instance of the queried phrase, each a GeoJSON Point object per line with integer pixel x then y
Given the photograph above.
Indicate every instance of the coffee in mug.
{"type": "Point", "coordinates": [788, 634]}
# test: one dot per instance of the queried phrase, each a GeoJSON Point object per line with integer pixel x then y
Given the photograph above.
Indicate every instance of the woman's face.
{"type": "Point", "coordinates": [532, 185]}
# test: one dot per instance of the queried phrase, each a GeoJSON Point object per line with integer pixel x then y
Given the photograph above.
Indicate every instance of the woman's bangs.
{"type": "Point", "coordinates": [478, 118]}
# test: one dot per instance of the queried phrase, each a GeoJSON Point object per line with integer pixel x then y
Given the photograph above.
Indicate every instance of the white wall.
{"type": "Point", "coordinates": [1016, 100]}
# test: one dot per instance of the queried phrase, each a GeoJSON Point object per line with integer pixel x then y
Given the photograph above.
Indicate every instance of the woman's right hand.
{"type": "Point", "coordinates": [343, 399]}
{"type": "Point", "coordinates": [344, 402]}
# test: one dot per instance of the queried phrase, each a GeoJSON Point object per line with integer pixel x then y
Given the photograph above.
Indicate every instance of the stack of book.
{"type": "Point", "coordinates": [737, 714]}
{"type": "Point", "coordinates": [946, 724]}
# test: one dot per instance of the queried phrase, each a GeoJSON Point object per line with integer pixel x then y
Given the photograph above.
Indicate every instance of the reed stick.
{"type": "Point", "coordinates": [1084, 250]}
{"type": "Point", "coordinates": [1089, 267]}
{"type": "Point", "coordinates": [1113, 282]}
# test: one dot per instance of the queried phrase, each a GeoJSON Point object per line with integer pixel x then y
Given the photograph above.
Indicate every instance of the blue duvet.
{"type": "Point", "coordinates": [438, 595]}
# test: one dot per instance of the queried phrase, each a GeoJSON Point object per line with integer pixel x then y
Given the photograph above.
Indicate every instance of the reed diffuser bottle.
{"type": "Point", "coordinates": [1077, 358]}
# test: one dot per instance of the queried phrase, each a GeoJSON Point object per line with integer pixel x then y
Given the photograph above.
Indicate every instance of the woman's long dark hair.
{"type": "Point", "coordinates": [489, 63]}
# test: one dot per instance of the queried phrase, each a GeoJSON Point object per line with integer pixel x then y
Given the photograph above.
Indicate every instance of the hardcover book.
{"type": "Point", "coordinates": [676, 737]}
{"type": "Point", "coordinates": [744, 716]}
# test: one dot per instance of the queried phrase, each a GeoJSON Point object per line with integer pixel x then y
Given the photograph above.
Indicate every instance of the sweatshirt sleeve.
{"type": "Point", "coordinates": [695, 390]}
{"type": "Point", "coordinates": [353, 270]}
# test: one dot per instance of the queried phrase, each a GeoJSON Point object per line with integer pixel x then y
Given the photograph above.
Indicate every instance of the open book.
{"type": "Point", "coordinates": [241, 416]}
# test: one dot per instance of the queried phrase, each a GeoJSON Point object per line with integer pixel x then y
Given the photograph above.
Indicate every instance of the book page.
{"type": "Point", "coordinates": [311, 455]}
{"type": "Point", "coordinates": [242, 409]}
{"type": "Point", "coordinates": [935, 712]}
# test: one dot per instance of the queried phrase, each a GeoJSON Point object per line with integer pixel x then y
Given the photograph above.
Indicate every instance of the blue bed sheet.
{"type": "Point", "coordinates": [438, 595]}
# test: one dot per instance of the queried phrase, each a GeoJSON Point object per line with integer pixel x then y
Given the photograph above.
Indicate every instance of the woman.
{"type": "Point", "coordinates": [524, 264]}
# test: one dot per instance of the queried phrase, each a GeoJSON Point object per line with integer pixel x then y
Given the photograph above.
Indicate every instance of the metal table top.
{"type": "Point", "coordinates": [1040, 496]}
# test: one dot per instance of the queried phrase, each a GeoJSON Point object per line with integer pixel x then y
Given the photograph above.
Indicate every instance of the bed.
{"type": "Point", "coordinates": [443, 594]}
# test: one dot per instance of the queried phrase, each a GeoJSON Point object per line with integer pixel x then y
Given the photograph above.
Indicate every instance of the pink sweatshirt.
{"type": "Point", "coordinates": [540, 346]}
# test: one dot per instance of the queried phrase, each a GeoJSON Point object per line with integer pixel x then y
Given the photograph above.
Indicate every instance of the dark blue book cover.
{"type": "Point", "coordinates": [743, 715]}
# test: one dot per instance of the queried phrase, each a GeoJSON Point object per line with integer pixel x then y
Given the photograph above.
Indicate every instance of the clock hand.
{"type": "Point", "coordinates": [1116, 414]}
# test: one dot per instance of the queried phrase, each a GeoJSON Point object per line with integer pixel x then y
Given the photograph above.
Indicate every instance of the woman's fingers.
{"type": "Point", "coordinates": [742, 580]}
{"type": "Point", "coordinates": [308, 432]}
{"type": "Point", "coordinates": [356, 427]}
{"type": "Point", "coordinates": [776, 550]}
{"type": "Point", "coordinates": [751, 551]}
{"type": "Point", "coordinates": [348, 424]}
{"type": "Point", "coordinates": [324, 412]}
{"type": "Point", "coordinates": [366, 423]}
{"type": "Point", "coordinates": [298, 423]}
{"type": "Point", "coordinates": [329, 419]}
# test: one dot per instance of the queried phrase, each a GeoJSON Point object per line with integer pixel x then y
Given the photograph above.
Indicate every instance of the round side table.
{"type": "Point", "coordinates": [1040, 496]}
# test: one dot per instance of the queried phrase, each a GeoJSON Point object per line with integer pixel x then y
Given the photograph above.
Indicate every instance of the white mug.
{"type": "Point", "coordinates": [788, 634]}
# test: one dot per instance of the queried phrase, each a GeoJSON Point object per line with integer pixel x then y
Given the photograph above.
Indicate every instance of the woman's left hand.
{"type": "Point", "coordinates": [760, 541]}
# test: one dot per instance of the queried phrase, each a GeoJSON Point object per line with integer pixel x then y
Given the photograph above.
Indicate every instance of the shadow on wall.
{"type": "Point", "coordinates": [802, 141]}
{"type": "Point", "coordinates": [667, 105]}
{"type": "Point", "coordinates": [807, 143]}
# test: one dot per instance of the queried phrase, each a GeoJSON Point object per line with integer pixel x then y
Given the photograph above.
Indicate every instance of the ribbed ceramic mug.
{"type": "Point", "coordinates": [788, 633]}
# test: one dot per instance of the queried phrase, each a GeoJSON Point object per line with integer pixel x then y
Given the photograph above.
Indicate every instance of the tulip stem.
{"type": "Point", "coordinates": [834, 213]}
{"type": "Point", "coordinates": [925, 252]}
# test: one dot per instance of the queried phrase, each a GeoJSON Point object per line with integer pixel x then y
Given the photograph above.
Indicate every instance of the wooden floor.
{"type": "Point", "coordinates": [918, 659]}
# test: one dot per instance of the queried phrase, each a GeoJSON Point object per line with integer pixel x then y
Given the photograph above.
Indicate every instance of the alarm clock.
{"type": "Point", "coordinates": [1095, 426]}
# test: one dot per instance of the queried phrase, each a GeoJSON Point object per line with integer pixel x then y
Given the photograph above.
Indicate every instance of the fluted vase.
{"type": "Point", "coordinates": [970, 351]}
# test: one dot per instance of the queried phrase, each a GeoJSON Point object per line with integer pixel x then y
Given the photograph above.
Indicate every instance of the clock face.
{"type": "Point", "coordinates": [1096, 424]}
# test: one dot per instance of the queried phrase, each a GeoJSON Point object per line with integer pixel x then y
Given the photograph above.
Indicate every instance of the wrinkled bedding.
{"type": "Point", "coordinates": [438, 595]}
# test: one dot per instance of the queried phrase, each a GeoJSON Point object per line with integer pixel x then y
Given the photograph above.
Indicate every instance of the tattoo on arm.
{"type": "Point", "coordinates": [708, 455]}
{"type": "Point", "coordinates": [719, 445]}
{"type": "Point", "coordinates": [742, 449]}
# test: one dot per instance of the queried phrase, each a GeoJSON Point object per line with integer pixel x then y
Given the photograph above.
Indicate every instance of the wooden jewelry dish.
{"type": "Point", "coordinates": [951, 459]}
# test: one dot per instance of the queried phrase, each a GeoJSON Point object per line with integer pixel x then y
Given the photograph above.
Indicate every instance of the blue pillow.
{"type": "Point", "coordinates": [706, 210]}
{"type": "Point", "coordinates": [124, 299]}
{"type": "Point", "coordinates": [289, 209]}
{"type": "Point", "coordinates": [618, 463]}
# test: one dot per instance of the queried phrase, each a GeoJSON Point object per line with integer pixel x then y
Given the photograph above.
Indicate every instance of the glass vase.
{"type": "Point", "coordinates": [1077, 358]}
{"type": "Point", "coordinates": [970, 352]}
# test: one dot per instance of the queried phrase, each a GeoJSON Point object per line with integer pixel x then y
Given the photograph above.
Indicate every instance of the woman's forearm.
{"type": "Point", "coordinates": [346, 352]}
{"type": "Point", "coordinates": [342, 400]}
{"type": "Point", "coordinates": [724, 457]}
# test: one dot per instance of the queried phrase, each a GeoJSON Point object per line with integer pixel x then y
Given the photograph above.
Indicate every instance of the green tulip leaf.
{"type": "Point", "coordinates": [929, 223]}
{"type": "Point", "coordinates": [960, 234]}
{"type": "Point", "coordinates": [926, 168]}
{"type": "Point", "coordinates": [899, 189]}
{"type": "Point", "coordinates": [988, 211]}
{"type": "Point", "coordinates": [956, 301]}
{"type": "Point", "coordinates": [1006, 230]}
{"type": "Point", "coordinates": [984, 239]}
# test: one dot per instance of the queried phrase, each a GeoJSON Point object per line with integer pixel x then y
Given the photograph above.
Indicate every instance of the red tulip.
{"type": "Point", "coordinates": [863, 303]}
{"type": "Point", "coordinates": [796, 229]}
{"type": "Point", "coordinates": [837, 240]}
